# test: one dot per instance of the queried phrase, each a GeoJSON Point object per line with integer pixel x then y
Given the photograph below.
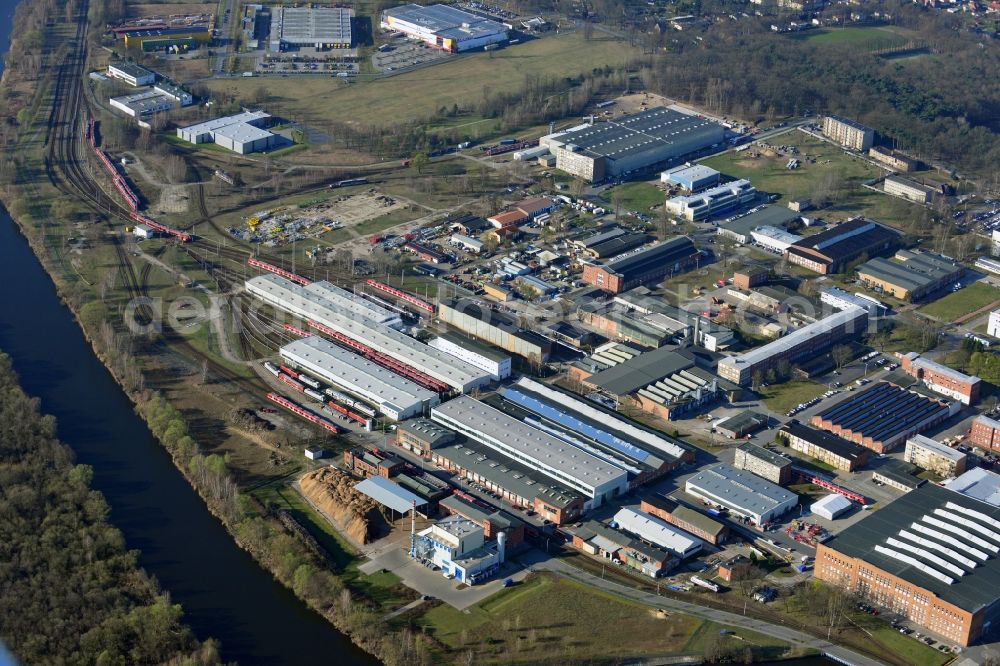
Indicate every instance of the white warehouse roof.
{"type": "Point", "coordinates": [288, 296]}
{"type": "Point", "coordinates": [561, 460]}
{"type": "Point", "coordinates": [743, 492]}
{"type": "Point", "coordinates": [657, 532]}
{"type": "Point", "coordinates": [355, 304]}
{"type": "Point", "coordinates": [392, 393]}
{"type": "Point", "coordinates": [831, 506]}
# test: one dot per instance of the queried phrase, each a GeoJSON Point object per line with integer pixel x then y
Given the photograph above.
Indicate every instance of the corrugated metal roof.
{"type": "Point", "coordinates": [387, 493]}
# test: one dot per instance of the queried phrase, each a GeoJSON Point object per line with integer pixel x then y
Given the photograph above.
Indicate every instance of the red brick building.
{"type": "Point", "coordinates": [491, 520]}
{"type": "Point", "coordinates": [942, 379]}
{"type": "Point", "coordinates": [985, 432]}
{"type": "Point", "coordinates": [372, 462]}
{"type": "Point", "coordinates": [652, 264]}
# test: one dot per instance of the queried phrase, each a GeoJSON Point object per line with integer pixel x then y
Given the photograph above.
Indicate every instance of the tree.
{"type": "Point", "coordinates": [419, 162]}
{"type": "Point", "coordinates": [841, 355]}
{"type": "Point", "coordinates": [756, 379]}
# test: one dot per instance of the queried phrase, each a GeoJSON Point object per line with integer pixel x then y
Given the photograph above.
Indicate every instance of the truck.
{"type": "Point", "coordinates": [507, 142]}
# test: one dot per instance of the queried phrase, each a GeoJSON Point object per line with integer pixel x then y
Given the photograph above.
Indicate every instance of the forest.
{"type": "Point", "coordinates": [70, 590]}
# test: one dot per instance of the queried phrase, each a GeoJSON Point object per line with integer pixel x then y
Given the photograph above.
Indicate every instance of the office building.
{"type": "Point", "coordinates": [711, 202]}
{"type": "Point", "coordinates": [910, 276]}
{"type": "Point", "coordinates": [691, 521]}
{"type": "Point", "coordinates": [824, 446]}
{"type": "Point", "coordinates": [742, 493]}
{"type": "Point", "coordinates": [803, 343]}
{"type": "Point", "coordinates": [942, 379]}
{"type": "Point", "coordinates": [690, 178]}
{"type": "Point", "coordinates": [934, 456]}
{"type": "Point", "coordinates": [848, 133]}
{"type": "Point", "coordinates": [574, 467]}
{"type": "Point", "coordinates": [985, 432]}
{"type": "Point", "coordinates": [632, 144]}
{"type": "Point", "coordinates": [444, 27]}
{"type": "Point", "coordinates": [908, 189]}
{"type": "Point", "coordinates": [933, 559]}
{"type": "Point", "coordinates": [486, 358]}
{"type": "Point", "coordinates": [766, 464]}
{"type": "Point", "coordinates": [131, 74]}
{"type": "Point", "coordinates": [241, 133]}
{"type": "Point", "coordinates": [829, 251]}
{"type": "Point", "coordinates": [651, 264]}
{"type": "Point", "coordinates": [320, 28]}
{"type": "Point", "coordinates": [497, 328]}
{"type": "Point", "coordinates": [655, 531]}
{"type": "Point", "coordinates": [882, 416]}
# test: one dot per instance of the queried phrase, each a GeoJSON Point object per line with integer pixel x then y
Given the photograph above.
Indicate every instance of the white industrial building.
{"type": "Point", "coordinates": [655, 531]}
{"type": "Point", "coordinates": [691, 177]}
{"type": "Point", "coordinates": [458, 546]}
{"type": "Point", "coordinates": [355, 304]}
{"type": "Point", "coordinates": [143, 103]}
{"type": "Point", "coordinates": [241, 133]}
{"type": "Point", "coordinates": [743, 493]}
{"type": "Point", "coordinates": [721, 198]}
{"type": "Point", "coordinates": [843, 300]}
{"type": "Point", "coordinates": [298, 300]}
{"type": "Point", "coordinates": [444, 27]}
{"type": "Point", "coordinates": [396, 397]}
{"type": "Point", "coordinates": [831, 506]}
{"type": "Point", "coordinates": [569, 465]}
{"type": "Point", "coordinates": [131, 74]}
{"type": "Point", "coordinates": [467, 243]}
{"type": "Point", "coordinates": [175, 93]}
{"type": "Point", "coordinates": [474, 353]}
{"type": "Point", "coordinates": [773, 238]}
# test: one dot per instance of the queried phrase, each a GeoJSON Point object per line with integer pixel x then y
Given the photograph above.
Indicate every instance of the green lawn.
{"type": "Point", "coordinates": [869, 38]}
{"type": "Point", "coordinates": [962, 302]}
{"type": "Point", "coordinates": [554, 620]}
{"type": "Point", "coordinates": [635, 196]}
{"type": "Point", "coordinates": [782, 397]}
{"type": "Point", "coordinates": [907, 647]}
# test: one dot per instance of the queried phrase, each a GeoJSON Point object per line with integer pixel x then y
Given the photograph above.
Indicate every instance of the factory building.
{"type": "Point", "coordinates": [804, 343]}
{"type": "Point", "coordinates": [882, 416]}
{"type": "Point", "coordinates": [683, 325]}
{"type": "Point", "coordinates": [908, 189]}
{"type": "Point", "coordinates": [655, 531]}
{"type": "Point", "coordinates": [444, 27]}
{"type": "Point", "coordinates": [910, 276]}
{"type": "Point", "coordinates": [355, 305]}
{"type": "Point", "coordinates": [932, 559]}
{"type": "Point", "coordinates": [520, 484]}
{"type": "Point", "coordinates": [691, 178]}
{"type": "Point", "coordinates": [741, 229]}
{"type": "Point", "coordinates": [828, 251]}
{"type": "Point", "coordinates": [479, 355]}
{"type": "Point", "coordinates": [144, 103]}
{"type": "Point", "coordinates": [897, 474]}
{"type": "Point", "coordinates": [131, 74]}
{"type": "Point", "coordinates": [179, 39]}
{"type": "Point", "coordinates": [742, 493]}
{"type": "Point", "coordinates": [651, 264]}
{"type": "Point", "coordinates": [175, 93]}
{"type": "Point", "coordinates": [316, 27]}
{"type": "Point", "coordinates": [606, 543]}
{"type": "Point", "coordinates": [842, 300]}
{"type": "Point", "coordinates": [934, 456]}
{"type": "Point", "coordinates": [496, 328]}
{"type": "Point", "coordinates": [241, 133]}
{"type": "Point", "coordinates": [766, 464]}
{"type": "Point", "coordinates": [396, 397]}
{"type": "Point", "coordinates": [458, 546]}
{"type": "Point", "coordinates": [824, 446]}
{"type": "Point", "coordinates": [493, 522]}
{"type": "Point", "coordinates": [592, 475]}
{"type": "Point", "coordinates": [848, 133]}
{"type": "Point", "coordinates": [774, 239]}
{"type": "Point", "coordinates": [985, 432]}
{"type": "Point", "coordinates": [714, 201]}
{"type": "Point", "coordinates": [741, 425]}
{"type": "Point", "coordinates": [421, 436]}
{"type": "Point", "coordinates": [942, 379]}
{"type": "Point", "coordinates": [610, 243]}
{"type": "Point", "coordinates": [631, 144]}
{"type": "Point", "coordinates": [686, 518]}
{"type": "Point", "coordinates": [310, 305]}
{"type": "Point", "coordinates": [644, 453]}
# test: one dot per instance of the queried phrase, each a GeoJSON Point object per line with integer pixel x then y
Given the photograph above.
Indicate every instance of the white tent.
{"type": "Point", "coordinates": [831, 506]}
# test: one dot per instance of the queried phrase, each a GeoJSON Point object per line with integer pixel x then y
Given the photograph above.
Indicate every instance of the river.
{"type": "Point", "coordinates": [225, 594]}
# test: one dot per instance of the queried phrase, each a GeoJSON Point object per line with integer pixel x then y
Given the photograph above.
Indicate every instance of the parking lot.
{"type": "Point", "coordinates": [401, 54]}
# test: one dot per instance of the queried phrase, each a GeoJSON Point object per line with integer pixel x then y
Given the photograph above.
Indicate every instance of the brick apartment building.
{"type": "Point", "coordinates": [942, 379]}
{"type": "Point", "coordinates": [985, 433]}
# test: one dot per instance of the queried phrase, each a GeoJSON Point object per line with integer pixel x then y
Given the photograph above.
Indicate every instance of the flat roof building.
{"type": "Point", "coordinates": [298, 300]}
{"type": "Point", "coordinates": [355, 304]}
{"type": "Point", "coordinates": [242, 133]}
{"type": "Point", "coordinates": [908, 189]}
{"type": "Point", "coordinates": [316, 27]}
{"type": "Point", "coordinates": [396, 397]}
{"type": "Point", "coordinates": [497, 328]}
{"type": "Point", "coordinates": [910, 276]}
{"type": "Point", "coordinates": [806, 342]}
{"type": "Point", "coordinates": [985, 432]}
{"type": "Point", "coordinates": [848, 133]}
{"type": "Point", "coordinates": [842, 300]}
{"type": "Point", "coordinates": [766, 464]}
{"type": "Point", "coordinates": [650, 264]}
{"type": "Point", "coordinates": [824, 446]}
{"type": "Point", "coordinates": [691, 177]}
{"type": "Point", "coordinates": [635, 143]}
{"type": "Point", "coordinates": [132, 74]}
{"type": "Point", "coordinates": [713, 201]}
{"type": "Point", "coordinates": [444, 27]}
{"type": "Point", "coordinates": [655, 531]}
{"type": "Point", "coordinates": [898, 474]}
{"type": "Point", "coordinates": [143, 103]}
{"type": "Point", "coordinates": [484, 357]}
{"type": "Point", "coordinates": [934, 456]}
{"type": "Point", "coordinates": [978, 483]}
{"type": "Point", "coordinates": [829, 250]}
{"type": "Point", "coordinates": [932, 559]}
{"type": "Point", "coordinates": [569, 465]}
{"type": "Point", "coordinates": [882, 416]}
{"type": "Point", "coordinates": [741, 229]}
{"type": "Point", "coordinates": [742, 424]}
{"type": "Point", "coordinates": [422, 436]}
{"type": "Point", "coordinates": [743, 493]}
{"type": "Point", "coordinates": [686, 518]}
{"type": "Point", "coordinates": [606, 543]}
{"type": "Point", "coordinates": [942, 379]}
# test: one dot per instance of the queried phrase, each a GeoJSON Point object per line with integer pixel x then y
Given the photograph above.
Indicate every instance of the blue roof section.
{"type": "Point", "coordinates": [573, 423]}
{"type": "Point", "coordinates": [388, 493]}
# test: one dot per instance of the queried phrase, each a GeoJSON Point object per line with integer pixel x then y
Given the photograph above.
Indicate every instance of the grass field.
{"type": "Point", "coordinates": [636, 196]}
{"type": "Point", "coordinates": [829, 168]}
{"type": "Point", "coordinates": [419, 94]}
{"type": "Point", "coordinates": [551, 620]}
{"type": "Point", "coordinates": [962, 302]}
{"type": "Point", "coordinates": [782, 397]}
{"type": "Point", "coordinates": [863, 37]}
